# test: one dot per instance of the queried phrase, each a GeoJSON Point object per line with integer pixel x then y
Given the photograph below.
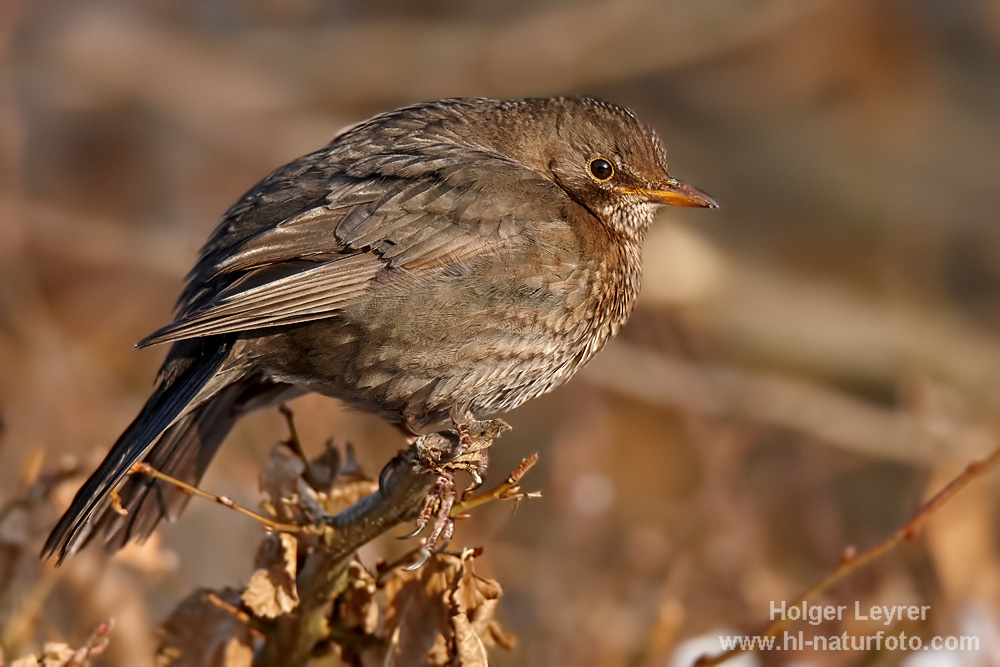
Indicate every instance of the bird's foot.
{"type": "Point", "coordinates": [471, 457]}
{"type": "Point", "coordinates": [438, 506]}
{"type": "Point", "coordinates": [463, 425]}
{"type": "Point", "coordinates": [471, 453]}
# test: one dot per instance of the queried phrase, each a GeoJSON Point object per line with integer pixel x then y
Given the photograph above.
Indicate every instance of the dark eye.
{"type": "Point", "coordinates": [601, 169]}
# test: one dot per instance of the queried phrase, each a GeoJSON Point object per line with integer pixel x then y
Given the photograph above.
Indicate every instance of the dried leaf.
{"type": "Point", "coordinates": [478, 599]}
{"type": "Point", "coordinates": [200, 634]}
{"type": "Point", "coordinates": [357, 607]}
{"type": "Point", "coordinates": [322, 470]}
{"type": "Point", "coordinates": [443, 613]}
{"type": "Point", "coordinates": [469, 647]}
{"type": "Point", "coordinates": [417, 618]}
{"type": "Point", "coordinates": [237, 654]}
{"type": "Point", "coordinates": [280, 478]}
{"type": "Point", "coordinates": [57, 654]}
{"type": "Point", "coordinates": [271, 591]}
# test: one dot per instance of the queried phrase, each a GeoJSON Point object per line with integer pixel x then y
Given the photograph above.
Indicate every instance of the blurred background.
{"type": "Point", "coordinates": [805, 367]}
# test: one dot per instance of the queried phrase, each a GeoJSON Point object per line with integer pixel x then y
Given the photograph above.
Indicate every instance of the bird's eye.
{"type": "Point", "coordinates": [601, 169]}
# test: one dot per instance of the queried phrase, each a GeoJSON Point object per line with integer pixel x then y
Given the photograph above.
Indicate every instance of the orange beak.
{"type": "Point", "coordinates": [678, 193]}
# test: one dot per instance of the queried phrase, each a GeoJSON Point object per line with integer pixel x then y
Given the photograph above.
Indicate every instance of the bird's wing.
{"type": "Point", "coordinates": [397, 214]}
{"type": "Point", "coordinates": [307, 292]}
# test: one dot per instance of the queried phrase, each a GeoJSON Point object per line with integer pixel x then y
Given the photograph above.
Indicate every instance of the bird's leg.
{"type": "Point", "coordinates": [469, 456]}
{"type": "Point", "coordinates": [461, 421]}
{"type": "Point", "coordinates": [438, 505]}
{"type": "Point", "coordinates": [435, 499]}
{"type": "Point", "coordinates": [444, 526]}
{"type": "Point", "coordinates": [462, 428]}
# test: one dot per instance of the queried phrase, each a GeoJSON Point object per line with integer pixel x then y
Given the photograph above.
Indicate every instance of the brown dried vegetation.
{"type": "Point", "coordinates": [805, 368]}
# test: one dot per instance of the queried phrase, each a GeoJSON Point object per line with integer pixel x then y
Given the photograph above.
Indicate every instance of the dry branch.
{"type": "Point", "coordinates": [410, 477]}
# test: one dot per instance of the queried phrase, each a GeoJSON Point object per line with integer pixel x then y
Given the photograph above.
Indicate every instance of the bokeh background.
{"type": "Point", "coordinates": [806, 365]}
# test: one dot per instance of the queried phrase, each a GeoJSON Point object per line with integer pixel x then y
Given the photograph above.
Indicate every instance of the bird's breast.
{"type": "Point", "coordinates": [486, 336]}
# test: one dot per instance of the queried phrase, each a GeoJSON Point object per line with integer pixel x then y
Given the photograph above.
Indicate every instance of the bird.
{"type": "Point", "coordinates": [436, 263]}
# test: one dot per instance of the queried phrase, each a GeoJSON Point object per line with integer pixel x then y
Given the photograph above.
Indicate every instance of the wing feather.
{"type": "Point", "coordinates": [433, 209]}
{"type": "Point", "coordinates": [301, 296]}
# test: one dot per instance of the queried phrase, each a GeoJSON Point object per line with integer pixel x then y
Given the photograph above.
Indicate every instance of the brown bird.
{"type": "Point", "coordinates": [436, 263]}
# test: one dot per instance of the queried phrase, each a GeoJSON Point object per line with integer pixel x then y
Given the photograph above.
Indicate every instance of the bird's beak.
{"type": "Point", "coordinates": [678, 193]}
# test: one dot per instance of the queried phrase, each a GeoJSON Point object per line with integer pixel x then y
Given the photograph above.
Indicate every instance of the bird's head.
{"type": "Point", "coordinates": [614, 165]}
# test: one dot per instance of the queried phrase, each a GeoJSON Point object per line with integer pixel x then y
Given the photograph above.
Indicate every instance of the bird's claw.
{"type": "Point", "coordinates": [477, 481]}
{"type": "Point", "coordinates": [423, 555]}
{"type": "Point", "coordinates": [413, 533]}
{"type": "Point", "coordinates": [437, 506]}
{"type": "Point", "coordinates": [383, 476]}
{"type": "Point", "coordinates": [455, 454]}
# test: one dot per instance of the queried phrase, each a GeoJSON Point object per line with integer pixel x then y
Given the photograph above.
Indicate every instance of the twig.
{"type": "Point", "coordinates": [293, 441]}
{"type": "Point", "coordinates": [509, 489]}
{"type": "Point", "coordinates": [851, 561]}
{"type": "Point", "coordinates": [144, 468]}
{"type": "Point", "coordinates": [234, 611]}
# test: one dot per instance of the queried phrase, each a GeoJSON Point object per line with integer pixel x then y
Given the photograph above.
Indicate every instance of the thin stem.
{"type": "Point", "coordinates": [508, 489]}
{"type": "Point", "coordinates": [144, 468]}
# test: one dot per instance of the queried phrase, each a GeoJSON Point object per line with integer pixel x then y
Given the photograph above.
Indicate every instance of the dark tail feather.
{"type": "Point", "coordinates": [160, 411]}
{"type": "Point", "coordinates": [184, 452]}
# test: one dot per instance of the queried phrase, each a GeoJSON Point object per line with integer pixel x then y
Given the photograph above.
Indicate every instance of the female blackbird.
{"type": "Point", "coordinates": [442, 261]}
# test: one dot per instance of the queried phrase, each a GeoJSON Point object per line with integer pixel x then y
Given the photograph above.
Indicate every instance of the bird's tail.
{"type": "Point", "coordinates": [183, 452]}
{"type": "Point", "coordinates": [186, 445]}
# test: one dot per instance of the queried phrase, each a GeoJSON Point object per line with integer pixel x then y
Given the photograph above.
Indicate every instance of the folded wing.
{"type": "Point", "coordinates": [321, 252]}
